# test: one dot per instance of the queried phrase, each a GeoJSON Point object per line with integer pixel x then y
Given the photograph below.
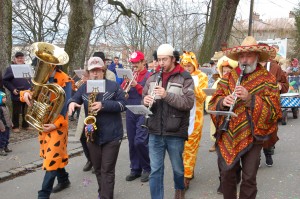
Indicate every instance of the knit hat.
{"type": "Point", "coordinates": [136, 56]}
{"type": "Point", "coordinates": [2, 95]}
{"type": "Point", "coordinates": [95, 62]}
{"type": "Point", "coordinates": [165, 49]}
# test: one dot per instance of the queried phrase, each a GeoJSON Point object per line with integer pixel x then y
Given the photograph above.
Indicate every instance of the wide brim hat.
{"type": "Point", "coordinates": [250, 45]}
{"type": "Point", "coordinates": [217, 55]}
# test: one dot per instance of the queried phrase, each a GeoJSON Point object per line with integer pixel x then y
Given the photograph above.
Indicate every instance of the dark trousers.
{"type": "Point", "coordinates": [84, 146]}
{"type": "Point", "coordinates": [250, 163]}
{"type": "Point", "coordinates": [17, 109]}
{"type": "Point", "coordinates": [62, 176]}
{"type": "Point", "coordinates": [138, 139]}
{"type": "Point", "coordinates": [4, 138]}
{"type": "Point", "coordinates": [268, 151]}
{"type": "Point", "coordinates": [104, 158]}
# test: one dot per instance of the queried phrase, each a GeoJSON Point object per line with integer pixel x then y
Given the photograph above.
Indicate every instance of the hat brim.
{"type": "Point", "coordinates": [93, 67]}
{"type": "Point", "coordinates": [265, 52]}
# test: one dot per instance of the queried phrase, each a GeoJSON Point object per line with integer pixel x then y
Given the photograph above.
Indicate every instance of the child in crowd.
{"type": "Point", "coordinates": [5, 124]}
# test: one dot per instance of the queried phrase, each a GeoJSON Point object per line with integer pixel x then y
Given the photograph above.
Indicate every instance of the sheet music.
{"type": "Point", "coordinates": [232, 114]}
{"type": "Point", "coordinates": [97, 86]}
{"type": "Point", "coordinates": [206, 70]}
{"type": "Point", "coordinates": [123, 73]}
{"type": "Point", "coordinates": [79, 73]}
{"type": "Point", "coordinates": [22, 71]}
{"type": "Point", "coordinates": [139, 109]}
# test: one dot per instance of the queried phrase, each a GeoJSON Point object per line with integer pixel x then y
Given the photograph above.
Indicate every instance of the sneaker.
{"type": "Point", "coordinates": [145, 176]}
{"type": "Point", "coordinates": [269, 160]}
{"type": "Point", "coordinates": [7, 150]}
{"type": "Point", "coordinates": [88, 166]}
{"type": "Point", "coordinates": [3, 153]}
{"type": "Point", "coordinates": [132, 176]}
{"type": "Point", "coordinates": [16, 130]}
{"type": "Point", "coordinates": [61, 186]}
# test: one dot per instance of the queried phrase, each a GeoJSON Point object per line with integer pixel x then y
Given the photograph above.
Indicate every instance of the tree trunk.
{"type": "Point", "coordinates": [81, 22]}
{"type": "Point", "coordinates": [5, 33]}
{"type": "Point", "coordinates": [219, 27]}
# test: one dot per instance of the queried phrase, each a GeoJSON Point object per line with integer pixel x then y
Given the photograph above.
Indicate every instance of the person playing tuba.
{"type": "Point", "coordinates": [53, 137]}
{"type": "Point", "coordinates": [137, 136]}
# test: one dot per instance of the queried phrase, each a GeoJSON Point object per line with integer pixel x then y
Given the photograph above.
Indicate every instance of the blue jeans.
{"type": "Point", "coordinates": [157, 150]}
{"type": "Point", "coordinates": [47, 186]}
{"type": "Point", "coordinates": [4, 138]}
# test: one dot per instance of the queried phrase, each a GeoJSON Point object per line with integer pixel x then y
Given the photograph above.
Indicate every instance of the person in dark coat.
{"type": "Point", "coordinates": [15, 85]}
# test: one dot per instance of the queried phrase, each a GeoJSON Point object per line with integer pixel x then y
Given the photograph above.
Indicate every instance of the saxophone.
{"type": "Point", "coordinates": [90, 120]}
{"type": "Point", "coordinates": [47, 99]}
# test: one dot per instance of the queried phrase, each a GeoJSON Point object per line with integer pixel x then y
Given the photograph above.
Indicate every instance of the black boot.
{"type": "Point", "coordinates": [61, 186]}
{"type": "Point", "coordinates": [88, 166]}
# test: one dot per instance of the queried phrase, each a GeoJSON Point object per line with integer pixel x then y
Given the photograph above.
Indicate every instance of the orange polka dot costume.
{"type": "Point", "coordinates": [196, 115]}
{"type": "Point", "coordinates": [53, 145]}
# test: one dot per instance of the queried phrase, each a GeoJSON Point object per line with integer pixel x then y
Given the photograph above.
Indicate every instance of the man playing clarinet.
{"type": "Point", "coordinates": [256, 102]}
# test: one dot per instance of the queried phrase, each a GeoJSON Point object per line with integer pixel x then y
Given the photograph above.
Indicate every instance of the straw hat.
{"type": "Point", "coordinates": [250, 45]}
{"type": "Point", "coordinates": [217, 55]}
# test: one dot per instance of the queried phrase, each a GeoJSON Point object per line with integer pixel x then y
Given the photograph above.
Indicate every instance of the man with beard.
{"type": "Point", "coordinates": [256, 102]}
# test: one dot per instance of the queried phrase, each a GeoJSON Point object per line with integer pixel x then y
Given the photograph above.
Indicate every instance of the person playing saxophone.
{"type": "Point", "coordinates": [257, 107]}
{"type": "Point", "coordinates": [137, 135]}
{"type": "Point", "coordinates": [105, 144]}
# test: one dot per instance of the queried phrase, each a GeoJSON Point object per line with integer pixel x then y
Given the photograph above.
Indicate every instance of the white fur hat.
{"type": "Point", "coordinates": [165, 49]}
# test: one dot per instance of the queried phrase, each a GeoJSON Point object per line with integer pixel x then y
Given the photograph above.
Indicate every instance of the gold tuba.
{"type": "Point", "coordinates": [47, 99]}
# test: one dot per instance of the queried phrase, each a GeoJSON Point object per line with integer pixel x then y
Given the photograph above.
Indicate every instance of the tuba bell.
{"type": "Point", "coordinates": [47, 99]}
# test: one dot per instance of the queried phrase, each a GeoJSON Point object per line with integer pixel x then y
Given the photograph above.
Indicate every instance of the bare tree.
{"type": "Point", "coordinates": [81, 23]}
{"type": "Point", "coordinates": [5, 33]}
{"type": "Point", "coordinates": [218, 28]}
{"type": "Point", "coordinates": [39, 21]}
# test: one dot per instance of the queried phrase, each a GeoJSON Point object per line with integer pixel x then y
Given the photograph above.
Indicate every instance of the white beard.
{"type": "Point", "coordinates": [249, 68]}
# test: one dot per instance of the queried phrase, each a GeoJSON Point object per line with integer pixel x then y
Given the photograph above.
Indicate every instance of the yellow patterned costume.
{"type": "Point", "coordinates": [196, 115]}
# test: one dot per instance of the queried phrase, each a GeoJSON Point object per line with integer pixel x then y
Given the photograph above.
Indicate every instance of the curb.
{"type": "Point", "coordinates": [31, 167]}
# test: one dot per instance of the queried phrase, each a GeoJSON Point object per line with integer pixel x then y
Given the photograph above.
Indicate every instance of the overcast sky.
{"type": "Point", "coordinates": [267, 8]}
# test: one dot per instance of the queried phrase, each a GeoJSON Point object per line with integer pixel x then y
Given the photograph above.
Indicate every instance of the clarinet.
{"type": "Point", "coordinates": [152, 94]}
{"type": "Point", "coordinates": [225, 125]}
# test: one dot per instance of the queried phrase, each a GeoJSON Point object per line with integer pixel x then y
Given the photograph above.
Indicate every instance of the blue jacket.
{"type": "Point", "coordinates": [11, 83]}
{"type": "Point", "coordinates": [112, 67]}
{"type": "Point", "coordinates": [108, 120]}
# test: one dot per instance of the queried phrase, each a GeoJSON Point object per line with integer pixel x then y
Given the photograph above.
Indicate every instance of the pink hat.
{"type": "Point", "coordinates": [95, 62]}
{"type": "Point", "coordinates": [136, 56]}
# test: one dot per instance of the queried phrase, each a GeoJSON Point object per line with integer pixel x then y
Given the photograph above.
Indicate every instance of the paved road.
{"type": "Point", "coordinates": [278, 182]}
